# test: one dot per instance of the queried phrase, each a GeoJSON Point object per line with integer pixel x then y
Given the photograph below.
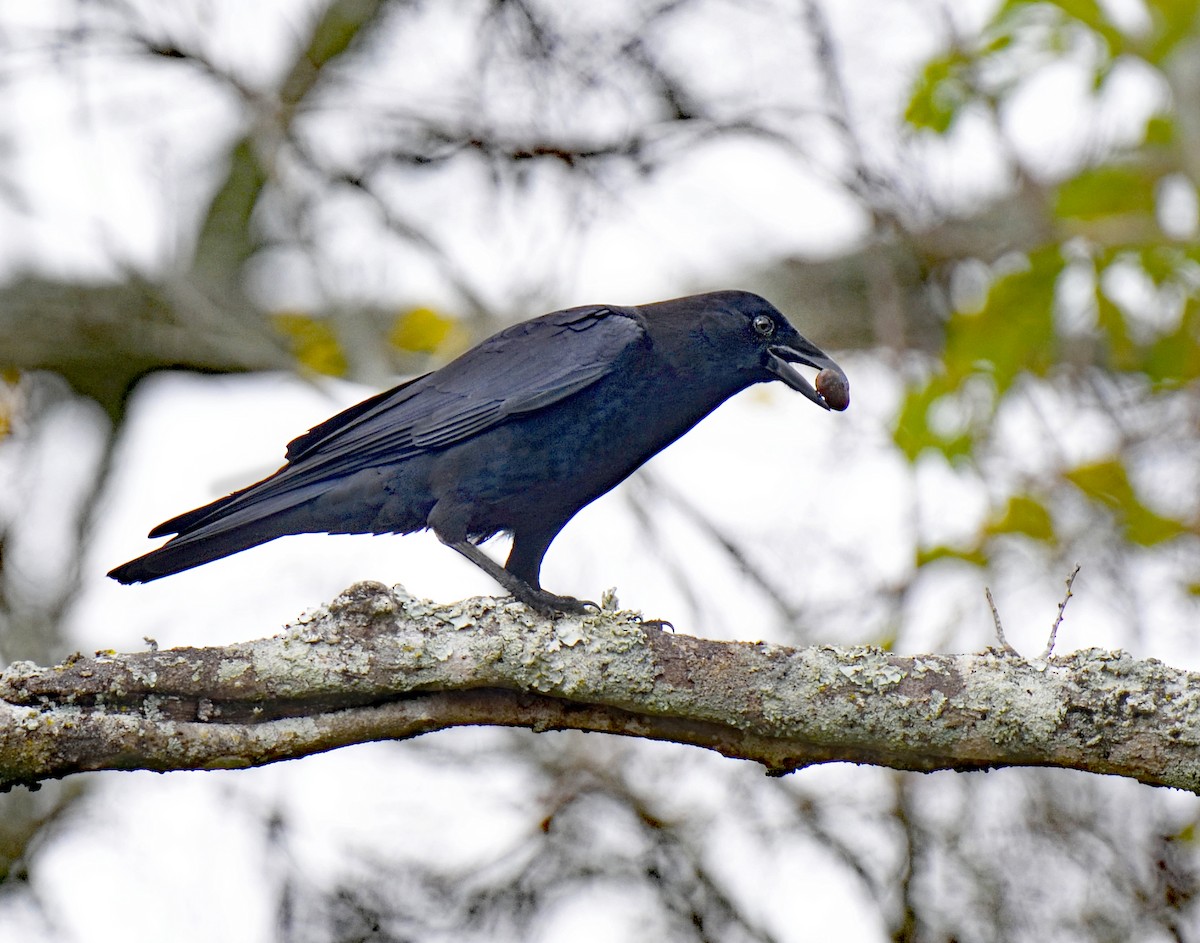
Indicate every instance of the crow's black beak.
{"type": "Point", "coordinates": [780, 358]}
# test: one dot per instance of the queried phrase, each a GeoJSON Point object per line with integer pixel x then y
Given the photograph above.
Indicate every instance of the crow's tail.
{"type": "Point", "coordinates": [189, 550]}
{"type": "Point", "coordinates": [238, 522]}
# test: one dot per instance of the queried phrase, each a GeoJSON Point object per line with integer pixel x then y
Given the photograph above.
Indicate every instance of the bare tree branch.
{"type": "Point", "coordinates": [377, 664]}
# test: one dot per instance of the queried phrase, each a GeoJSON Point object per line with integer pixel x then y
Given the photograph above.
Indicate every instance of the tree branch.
{"type": "Point", "coordinates": [377, 664]}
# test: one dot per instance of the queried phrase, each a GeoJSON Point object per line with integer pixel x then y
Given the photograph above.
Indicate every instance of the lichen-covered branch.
{"type": "Point", "coordinates": [378, 664]}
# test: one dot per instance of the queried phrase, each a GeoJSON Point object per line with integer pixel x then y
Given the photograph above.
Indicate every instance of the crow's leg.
{"type": "Point", "coordinates": [533, 596]}
{"type": "Point", "coordinates": [529, 547]}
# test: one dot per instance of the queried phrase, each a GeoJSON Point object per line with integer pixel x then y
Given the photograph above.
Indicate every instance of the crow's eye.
{"type": "Point", "coordinates": [764, 325]}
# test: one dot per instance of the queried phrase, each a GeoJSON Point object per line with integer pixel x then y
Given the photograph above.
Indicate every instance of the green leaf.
{"type": "Point", "coordinates": [973, 556]}
{"type": "Point", "coordinates": [913, 433]}
{"type": "Point", "coordinates": [1059, 35]}
{"type": "Point", "coordinates": [1160, 130]}
{"type": "Point", "coordinates": [1174, 359]}
{"type": "Point", "coordinates": [1107, 483]}
{"type": "Point", "coordinates": [1161, 263]}
{"type": "Point", "coordinates": [1109, 190]}
{"type": "Point", "coordinates": [1091, 15]}
{"type": "Point", "coordinates": [940, 94]}
{"type": "Point", "coordinates": [1023, 515]}
{"type": "Point", "coordinates": [1123, 353]}
{"type": "Point", "coordinates": [1014, 332]}
{"type": "Point", "coordinates": [1173, 22]}
{"type": "Point", "coordinates": [1104, 481]}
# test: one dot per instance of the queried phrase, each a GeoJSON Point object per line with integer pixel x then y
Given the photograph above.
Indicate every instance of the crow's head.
{"type": "Point", "coordinates": [757, 335]}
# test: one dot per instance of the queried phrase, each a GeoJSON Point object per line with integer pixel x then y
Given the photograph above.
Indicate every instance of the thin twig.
{"type": "Point", "coordinates": [1062, 606]}
{"type": "Point", "coordinates": [987, 591]}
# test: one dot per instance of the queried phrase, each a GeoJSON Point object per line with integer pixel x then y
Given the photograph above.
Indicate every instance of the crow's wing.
{"type": "Point", "coordinates": [526, 367]}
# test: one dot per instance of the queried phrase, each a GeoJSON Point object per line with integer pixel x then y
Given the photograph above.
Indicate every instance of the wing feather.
{"type": "Point", "coordinates": [527, 367]}
{"type": "Point", "coordinates": [524, 368]}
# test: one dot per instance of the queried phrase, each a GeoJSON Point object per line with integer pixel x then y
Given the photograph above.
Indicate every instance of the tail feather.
{"type": "Point", "coordinates": [223, 528]}
{"type": "Point", "coordinates": [183, 553]}
{"type": "Point", "coordinates": [192, 520]}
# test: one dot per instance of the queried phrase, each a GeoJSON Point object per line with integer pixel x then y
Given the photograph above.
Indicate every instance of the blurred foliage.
{"type": "Point", "coordinates": [1107, 483]}
{"type": "Point", "coordinates": [316, 346]}
{"type": "Point", "coordinates": [1037, 333]}
{"type": "Point", "coordinates": [8, 400]}
{"type": "Point", "coordinates": [1023, 515]}
{"type": "Point", "coordinates": [313, 342]}
{"type": "Point", "coordinates": [426, 331]}
{"type": "Point", "coordinates": [981, 72]}
{"type": "Point", "coordinates": [227, 239]}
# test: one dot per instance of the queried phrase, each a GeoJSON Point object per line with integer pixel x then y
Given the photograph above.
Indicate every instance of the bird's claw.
{"type": "Point", "coordinates": [550, 604]}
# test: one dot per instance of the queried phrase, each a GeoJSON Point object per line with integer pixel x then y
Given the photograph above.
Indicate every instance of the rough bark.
{"type": "Point", "coordinates": [377, 664]}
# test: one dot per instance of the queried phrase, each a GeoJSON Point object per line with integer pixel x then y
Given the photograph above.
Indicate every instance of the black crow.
{"type": "Point", "coordinates": [515, 436]}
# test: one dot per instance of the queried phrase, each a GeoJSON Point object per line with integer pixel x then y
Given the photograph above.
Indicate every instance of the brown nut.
{"type": "Point", "coordinates": [834, 388]}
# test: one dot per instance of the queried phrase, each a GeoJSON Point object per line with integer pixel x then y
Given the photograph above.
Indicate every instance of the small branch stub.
{"type": "Point", "coordinates": [1004, 646]}
{"type": "Point", "coordinates": [1062, 608]}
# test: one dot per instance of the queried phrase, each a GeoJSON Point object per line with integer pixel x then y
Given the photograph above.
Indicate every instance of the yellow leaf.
{"type": "Point", "coordinates": [313, 342]}
{"type": "Point", "coordinates": [425, 331]}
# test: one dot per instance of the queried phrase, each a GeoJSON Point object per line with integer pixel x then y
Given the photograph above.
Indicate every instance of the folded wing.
{"type": "Point", "coordinates": [527, 367]}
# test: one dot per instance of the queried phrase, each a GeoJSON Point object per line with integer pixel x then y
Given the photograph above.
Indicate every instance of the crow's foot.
{"type": "Point", "coordinates": [550, 605]}
{"type": "Point", "coordinates": [535, 598]}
